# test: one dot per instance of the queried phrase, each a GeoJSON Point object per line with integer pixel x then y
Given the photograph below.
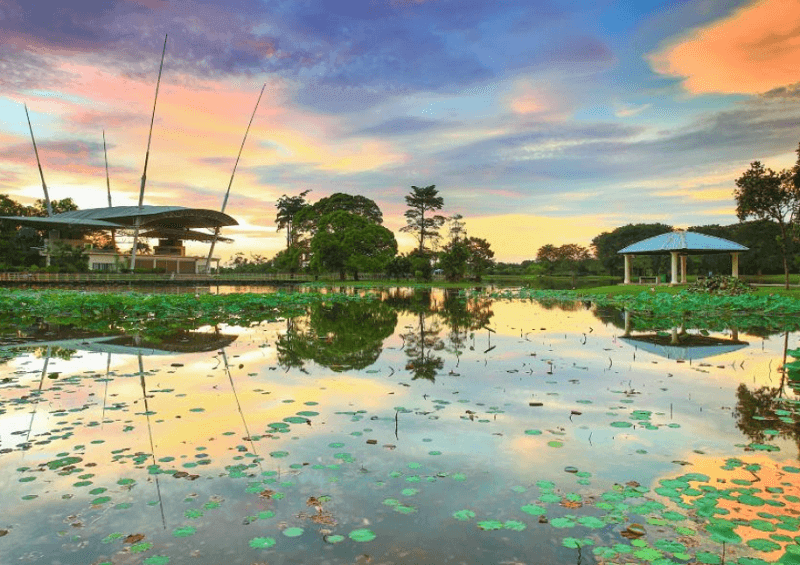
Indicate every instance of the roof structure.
{"type": "Point", "coordinates": [687, 241]}
{"type": "Point", "coordinates": [691, 349]}
{"type": "Point", "coordinates": [174, 222]}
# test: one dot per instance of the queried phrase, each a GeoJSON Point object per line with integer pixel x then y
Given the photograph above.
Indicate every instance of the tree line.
{"type": "Point", "coordinates": [344, 233]}
{"type": "Point", "coordinates": [768, 209]}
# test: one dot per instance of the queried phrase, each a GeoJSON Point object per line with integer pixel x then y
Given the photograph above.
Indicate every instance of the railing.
{"type": "Point", "coordinates": [150, 278]}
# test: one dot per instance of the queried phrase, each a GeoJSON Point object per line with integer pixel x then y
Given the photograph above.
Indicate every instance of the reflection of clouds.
{"type": "Point", "coordinates": [770, 475]}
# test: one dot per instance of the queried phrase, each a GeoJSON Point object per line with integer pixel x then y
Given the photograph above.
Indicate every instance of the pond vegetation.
{"type": "Point", "coordinates": [398, 425]}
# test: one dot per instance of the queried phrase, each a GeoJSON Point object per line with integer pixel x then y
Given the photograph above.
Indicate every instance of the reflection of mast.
{"type": "Point", "coordinates": [38, 393]}
{"type": "Point", "coordinates": [105, 392]}
{"type": "Point", "coordinates": [239, 406]}
{"type": "Point", "coordinates": [150, 434]}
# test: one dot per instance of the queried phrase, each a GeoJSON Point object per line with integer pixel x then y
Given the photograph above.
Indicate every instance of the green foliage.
{"type": "Point", "coordinates": [453, 260]}
{"type": "Point", "coordinates": [288, 207]}
{"type": "Point", "coordinates": [421, 265]}
{"type": "Point", "coordinates": [764, 194]}
{"type": "Point", "coordinates": [420, 201]}
{"type": "Point", "coordinates": [346, 242]}
{"type": "Point", "coordinates": [68, 258]}
{"type": "Point", "coordinates": [472, 255]}
{"type": "Point", "coordinates": [308, 218]}
{"type": "Point", "coordinates": [722, 285]}
{"type": "Point", "coordinates": [607, 244]}
{"type": "Point", "coordinates": [399, 266]}
{"type": "Point", "coordinates": [288, 260]}
{"type": "Point", "coordinates": [758, 236]}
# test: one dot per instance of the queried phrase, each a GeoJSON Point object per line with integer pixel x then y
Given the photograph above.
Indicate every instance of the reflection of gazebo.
{"type": "Point", "coordinates": [681, 244]}
{"type": "Point", "coordinates": [686, 347]}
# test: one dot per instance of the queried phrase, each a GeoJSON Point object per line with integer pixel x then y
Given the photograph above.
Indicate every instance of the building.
{"type": "Point", "coordinates": [172, 226]}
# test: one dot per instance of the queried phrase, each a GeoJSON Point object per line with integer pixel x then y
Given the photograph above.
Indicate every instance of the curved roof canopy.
{"type": "Point", "coordinates": [177, 221]}
{"type": "Point", "coordinates": [687, 241]}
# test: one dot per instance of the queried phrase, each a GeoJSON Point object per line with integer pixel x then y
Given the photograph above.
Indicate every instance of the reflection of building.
{"type": "Point", "coordinates": [181, 341]}
{"type": "Point", "coordinates": [685, 347]}
{"type": "Point", "coordinates": [171, 225]}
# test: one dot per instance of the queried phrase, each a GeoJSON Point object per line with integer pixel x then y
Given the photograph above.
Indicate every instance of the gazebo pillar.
{"type": "Point", "coordinates": [627, 269]}
{"type": "Point", "coordinates": [674, 279]}
{"type": "Point", "coordinates": [683, 269]}
{"type": "Point", "coordinates": [628, 323]}
{"type": "Point", "coordinates": [735, 264]}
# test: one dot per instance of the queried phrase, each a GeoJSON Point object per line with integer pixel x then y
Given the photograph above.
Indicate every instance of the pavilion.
{"type": "Point", "coordinates": [171, 225]}
{"type": "Point", "coordinates": [682, 243]}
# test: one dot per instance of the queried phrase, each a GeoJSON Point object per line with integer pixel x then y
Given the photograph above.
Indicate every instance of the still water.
{"type": "Point", "coordinates": [420, 429]}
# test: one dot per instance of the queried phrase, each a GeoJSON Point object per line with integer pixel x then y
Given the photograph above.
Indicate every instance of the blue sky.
{"type": "Point", "coordinates": [540, 122]}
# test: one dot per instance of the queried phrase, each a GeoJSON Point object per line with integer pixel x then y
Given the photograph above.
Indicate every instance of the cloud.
{"type": "Point", "coordinates": [407, 125]}
{"type": "Point", "coordinates": [626, 110]}
{"type": "Point", "coordinates": [791, 91]}
{"type": "Point", "coordinates": [752, 50]}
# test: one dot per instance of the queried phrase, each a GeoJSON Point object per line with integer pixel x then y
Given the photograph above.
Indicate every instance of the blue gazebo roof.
{"type": "Point", "coordinates": [686, 241]}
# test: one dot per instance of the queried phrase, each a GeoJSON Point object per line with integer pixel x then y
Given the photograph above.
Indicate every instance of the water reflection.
{"type": "Point", "coordinates": [532, 435]}
{"type": "Point", "coordinates": [340, 337]}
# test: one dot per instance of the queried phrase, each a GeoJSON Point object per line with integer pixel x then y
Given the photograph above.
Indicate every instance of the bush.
{"type": "Point", "coordinates": [720, 284]}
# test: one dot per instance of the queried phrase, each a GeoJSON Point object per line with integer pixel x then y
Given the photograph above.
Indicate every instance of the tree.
{"type": "Point", "coordinates": [288, 260]}
{"type": "Point", "coordinates": [472, 255]}
{"type": "Point", "coordinates": [568, 256]}
{"type": "Point", "coordinates": [346, 242]}
{"type": "Point", "coordinates": [480, 256]}
{"type": "Point", "coordinates": [58, 206]}
{"type": "Point", "coordinates": [306, 221]}
{"type": "Point", "coordinates": [399, 266]}
{"type": "Point", "coordinates": [456, 227]}
{"type": "Point", "coordinates": [607, 244]}
{"type": "Point", "coordinates": [453, 260]}
{"type": "Point", "coordinates": [69, 258]}
{"type": "Point", "coordinates": [764, 194]}
{"type": "Point", "coordinates": [420, 201]}
{"type": "Point", "coordinates": [288, 207]}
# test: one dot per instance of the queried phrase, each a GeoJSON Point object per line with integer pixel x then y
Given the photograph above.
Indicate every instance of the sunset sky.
{"type": "Point", "coordinates": [538, 121]}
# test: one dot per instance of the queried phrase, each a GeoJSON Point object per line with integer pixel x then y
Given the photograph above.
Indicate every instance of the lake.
{"type": "Point", "coordinates": [421, 428]}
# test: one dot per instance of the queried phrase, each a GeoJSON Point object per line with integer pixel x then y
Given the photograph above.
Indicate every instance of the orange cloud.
{"type": "Point", "coordinates": [527, 98]}
{"type": "Point", "coordinates": [753, 50]}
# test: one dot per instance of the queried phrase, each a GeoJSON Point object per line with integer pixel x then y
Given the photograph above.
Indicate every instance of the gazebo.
{"type": "Point", "coordinates": [681, 244]}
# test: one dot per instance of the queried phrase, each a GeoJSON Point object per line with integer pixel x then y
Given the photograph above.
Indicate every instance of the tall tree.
{"type": "Point", "coordinates": [765, 194]}
{"type": "Point", "coordinates": [420, 201]}
{"type": "Point", "coordinates": [288, 207]}
{"type": "Point", "coordinates": [347, 242]}
{"type": "Point", "coordinates": [307, 219]}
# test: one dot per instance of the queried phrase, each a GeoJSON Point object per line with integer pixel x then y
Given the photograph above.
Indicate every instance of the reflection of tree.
{"type": "Point", "coordinates": [420, 345]}
{"type": "Point", "coordinates": [339, 336]}
{"type": "Point", "coordinates": [464, 316]}
{"type": "Point", "coordinates": [766, 408]}
{"type": "Point", "coordinates": [290, 348]}
{"type": "Point", "coordinates": [58, 352]}
{"type": "Point", "coordinates": [423, 339]}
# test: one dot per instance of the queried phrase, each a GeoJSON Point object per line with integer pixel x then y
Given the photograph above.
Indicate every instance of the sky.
{"type": "Point", "coordinates": [539, 121]}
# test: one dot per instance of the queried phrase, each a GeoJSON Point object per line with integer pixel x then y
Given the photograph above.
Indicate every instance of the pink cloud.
{"type": "Point", "coordinates": [753, 50]}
